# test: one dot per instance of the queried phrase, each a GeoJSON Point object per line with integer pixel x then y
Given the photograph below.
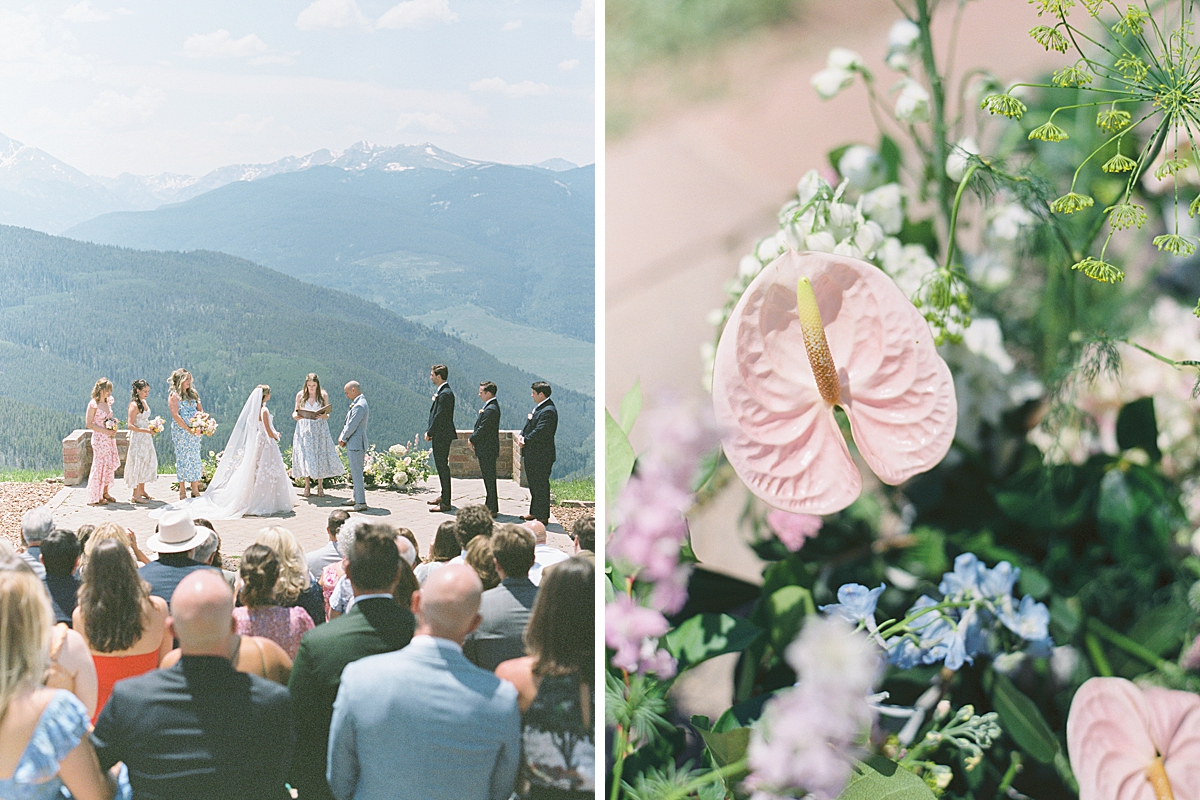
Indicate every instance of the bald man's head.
{"type": "Point", "coordinates": [539, 530]}
{"type": "Point", "coordinates": [447, 606]}
{"type": "Point", "coordinates": [202, 614]}
{"type": "Point", "coordinates": [352, 389]}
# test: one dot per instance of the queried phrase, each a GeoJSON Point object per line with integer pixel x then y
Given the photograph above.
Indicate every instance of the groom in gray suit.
{"type": "Point", "coordinates": [354, 439]}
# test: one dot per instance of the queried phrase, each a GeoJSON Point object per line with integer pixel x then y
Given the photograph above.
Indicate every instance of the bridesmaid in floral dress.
{"type": "Point", "coordinates": [141, 462]}
{"type": "Point", "coordinates": [105, 458]}
{"type": "Point", "coordinates": [184, 404]}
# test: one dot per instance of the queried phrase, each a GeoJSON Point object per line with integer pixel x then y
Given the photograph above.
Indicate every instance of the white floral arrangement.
{"type": "Point", "coordinates": [156, 426]}
{"type": "Point", "coordinates": [401, 466]}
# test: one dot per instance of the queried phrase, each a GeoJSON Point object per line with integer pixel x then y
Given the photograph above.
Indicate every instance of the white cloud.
{"type": "Point", "coordinates": [332, 14]}
{"type": "Point", "coordinates": [412, 13]}
{"type": "Point", "coordinates": [511, 25]}
{"type": "Point", "coordinates": [584, 24]}
{"type": "Point", "coordinates": [567, 66]}
{"type": "Point", "coordinates": [27, 53]}
{"type": "Point", "coordinates": [112, 109]}
{"type": "Point", "coordinates": [432, 122]}
{"type": "Point", "coordinates": [221, 44]}
{"type": "Point", "coordinates": [522, 89]}
{"type": "Point", "coordinates": [84, 11]}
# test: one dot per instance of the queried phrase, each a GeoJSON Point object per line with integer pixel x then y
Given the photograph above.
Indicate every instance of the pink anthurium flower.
{"type": "Point", "coordinates": [1130, 743]}
{"type": "Point", "coordinates": [811, 332]}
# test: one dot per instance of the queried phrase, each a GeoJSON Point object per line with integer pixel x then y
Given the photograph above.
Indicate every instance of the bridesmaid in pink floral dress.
{"type": "Point", "coordinates": [105, 460]}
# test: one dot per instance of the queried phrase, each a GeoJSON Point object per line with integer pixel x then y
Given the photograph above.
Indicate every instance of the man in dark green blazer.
{"type": "Point", "coordinates": [373, 625]}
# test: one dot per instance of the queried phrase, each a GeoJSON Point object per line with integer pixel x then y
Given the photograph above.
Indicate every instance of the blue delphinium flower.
{"type": "Point", "coordinates": [856, 604]}
{"type": "Point", "coordinates": [1030, 620]}
{"type": "Point", "coordinates": [964, 579]}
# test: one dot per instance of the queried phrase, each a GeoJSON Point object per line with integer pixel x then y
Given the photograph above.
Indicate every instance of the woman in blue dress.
{"type": "Point", "coordinates": [44, 744]}
{"type": "Point", "coordinates": [184, 404]}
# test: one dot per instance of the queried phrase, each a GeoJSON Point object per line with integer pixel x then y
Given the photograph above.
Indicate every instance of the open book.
{"type": "Point", "coordinates": [306, 414]}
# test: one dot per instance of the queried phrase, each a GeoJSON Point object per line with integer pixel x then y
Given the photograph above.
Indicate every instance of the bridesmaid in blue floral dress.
{"type": "Point", "coordinates": [184, 403]}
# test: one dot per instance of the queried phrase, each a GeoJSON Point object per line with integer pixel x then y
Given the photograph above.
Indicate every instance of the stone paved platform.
{"type": "Point", "coordinates": [307, 519]}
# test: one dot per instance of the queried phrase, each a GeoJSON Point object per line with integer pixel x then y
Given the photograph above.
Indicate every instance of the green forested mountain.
{"type": "Point", "coordinates": [517, 241]}
{"type": "Point", "coordinates": [71, 312]}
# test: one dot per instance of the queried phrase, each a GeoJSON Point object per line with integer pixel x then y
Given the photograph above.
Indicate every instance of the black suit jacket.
{"type": "Point", "coordinates": [441, 415]}
{"type": "Point", "coordinates": [198, 730]}
{"type": "Point", "coordinates": [486, 437]}
{"type": "Point", "coordinates": [373, 626]}
{"type": "Point", "coordinates": [539, 433]}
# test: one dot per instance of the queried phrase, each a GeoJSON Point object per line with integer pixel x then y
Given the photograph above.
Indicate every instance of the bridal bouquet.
{"type": "Point", "coordinates": [156, 426]}
{"type": "Point", "coordinates": [984, 306]}
{"type": "Point", "coordinates": [112, 424]}
{"type": "Point", "coordinates": [201, 424]}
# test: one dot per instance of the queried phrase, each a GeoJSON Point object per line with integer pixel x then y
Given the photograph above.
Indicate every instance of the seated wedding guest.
{"type": "Point", "coordinates": [404, 589]}
{"type": "Point", "coordinates": [260, 613]}
{"type": "Point", "coordinates": [70, 666]}
{"type": "Point", "coordinates": [333, 586]}
{"type": "Point", "coordinates": [36, 523]}
{"type": "Point", "coordinates": [412, 539]}
{"type": "Point", "coordinates": [555, 686]}
{"type": "Point", "coordinates": [423, 722]}
{"type": "Point", "coordinates": [543, 554]}
{"type": "Point", "coordinates": [60, 557]}
{"type": "Point", "coordinates": [406, 586]}
{"type": "Point", "coordinates": [44, 744]}
{"type": "Point", "coordinates": [109, 530]}
{"type": "Point", "coordinates": [328, 553]}
{"type": "Point", "coordinates": [375, 624]}
{"type": "Point", "coordinates": [445, 547]}
{"type": "Point", "coordinates": [209, 552]}
{"type": "Point", "coordinates": [295, 587]}
{"type": "Point", "coordinates": [254, 655]}
{"type": "Point", "coordinates": [504, 609]}
{"type": "Point", "coordinates": [175, 542]}
{"type": "Point", "coordinates": [481, 558]}
{"type": "Point", "coordinates": [583, 533]}
{"type": "Point", "coordinates": [470, 522]}
{"type": "Point", "coordinates": [124, 625]}
{"type": "Point", "coordinates": [200, 729]}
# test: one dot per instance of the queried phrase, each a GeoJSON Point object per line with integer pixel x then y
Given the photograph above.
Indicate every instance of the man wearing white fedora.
{"type": "Point", "coordinates": [175, 541]}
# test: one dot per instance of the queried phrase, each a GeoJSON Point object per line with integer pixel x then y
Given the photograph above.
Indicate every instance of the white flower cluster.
{"type": "Point", "coordinates": [912, 101]}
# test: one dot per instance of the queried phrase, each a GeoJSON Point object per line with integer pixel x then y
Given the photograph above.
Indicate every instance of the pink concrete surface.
{"type": "Point", "coordinates": [688, 193]}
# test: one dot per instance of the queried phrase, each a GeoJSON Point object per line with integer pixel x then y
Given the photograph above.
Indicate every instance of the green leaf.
{"type": "Point", "coordinates": [745, 713]}
{"type": "Point", "coordinates": [705, 636]}
{"type": "Point", "coordinates": [879, 778]}
{"type": "Point", "coordinates": [788, 607]}
{"type": "Point", "coordinates": [1138, 427]}
{"type": "Point", "coordinates": [920, 232]}
{"type": "Point", "coordinates": [1020, 718]}
{"type": "Point", "coordinates": [892, 158]}
{"type": "Point", "coordinates": [728, 747]}
{"type": "Point", "coordinates": [631, 407]}
{"type": "Point", "coordinates": [618, 458]}
{"type": "Point", "coordinates": [1033, 582]}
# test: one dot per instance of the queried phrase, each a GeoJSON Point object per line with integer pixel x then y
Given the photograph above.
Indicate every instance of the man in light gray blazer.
{"type": "Point", "coordinates": [505, 609]}
{"type": "Point", "coordinates": [354, 439]}
{"type": "Point", "coordinates": [423, 723]}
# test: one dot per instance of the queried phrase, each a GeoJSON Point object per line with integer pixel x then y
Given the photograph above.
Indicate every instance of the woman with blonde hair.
{"type": "Point", "coordinates": [261, 613]}
{"type": "Point", "coordinates": [44, 744]}
{"type": "Point", "coordinates": [483, 561]}
{"type": "Point", "coordinates": [294, 586]}
{"type": "Point", "coordinates": [141, 462]}
{"type": "Point", "coordinates": [105, 459]}
{"type": "Point", "coordinates": [314, 455]}
{"type": "Point", "coordinates": [124, 625]}
{"type": "Point", "coordinates": [185, 404]}
{"type": "Point", "coordinates": [110, 530]}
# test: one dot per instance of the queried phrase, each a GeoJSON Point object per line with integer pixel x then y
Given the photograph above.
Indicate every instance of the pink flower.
{"type": "Point", "coordinates": [793, 529]}
{"type": "Point", "coordinates": [1129, 743]}
{"type": "Point", "coordinates": [777, 379]}
{"type": "Point", "coordinates": [633, 632]}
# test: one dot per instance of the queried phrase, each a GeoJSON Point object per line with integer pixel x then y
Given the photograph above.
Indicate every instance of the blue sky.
{"type": "Point", "coordinates": [147, 86]}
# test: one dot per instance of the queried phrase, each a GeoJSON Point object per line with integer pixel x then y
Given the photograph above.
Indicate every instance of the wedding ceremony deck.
{"type": "Point", "coordinates": [307, 519]}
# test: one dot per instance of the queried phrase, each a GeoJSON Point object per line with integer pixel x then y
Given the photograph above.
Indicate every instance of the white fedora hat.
{"type": "Point", "coordinates": [176, 533]}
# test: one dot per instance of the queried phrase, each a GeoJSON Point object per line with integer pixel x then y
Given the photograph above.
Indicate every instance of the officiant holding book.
{"type": "Point", "coordinates": [314, 455]}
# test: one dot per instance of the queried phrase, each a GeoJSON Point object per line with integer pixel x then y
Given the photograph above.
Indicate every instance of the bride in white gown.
{"type": "Point", "coordinates": [251, 479]}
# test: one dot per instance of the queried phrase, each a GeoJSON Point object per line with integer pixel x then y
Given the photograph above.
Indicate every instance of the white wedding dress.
{"type": "Point", "coordinates": [251, 479]}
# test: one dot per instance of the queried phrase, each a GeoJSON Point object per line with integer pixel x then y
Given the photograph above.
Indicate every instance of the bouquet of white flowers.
{"type": "Point", "coordinates": [156, 426]}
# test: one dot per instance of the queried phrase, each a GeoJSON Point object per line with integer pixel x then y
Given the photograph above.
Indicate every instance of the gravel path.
{"type": "Point", "coordinates": [15, 500]}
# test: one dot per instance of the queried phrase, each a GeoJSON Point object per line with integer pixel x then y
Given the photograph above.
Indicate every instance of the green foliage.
{"type": "Point", "coordinates": [1022, 720]}
{"type": "Point", "coordinates": [27, 475]}
{"type": "Point", "coordinates": [71, 312]}
{"type": "Point", "coordinates": [706, 636]}
{"type": "Point", "coordinates": [573, 489]}
{"type": "Point", "coordinates": [878, 778]}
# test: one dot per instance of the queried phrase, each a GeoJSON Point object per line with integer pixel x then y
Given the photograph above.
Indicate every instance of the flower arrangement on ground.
{"type": "Point", "coordinates": [988, 309]}
{"type": "Point", "coordinates": [401, 466]}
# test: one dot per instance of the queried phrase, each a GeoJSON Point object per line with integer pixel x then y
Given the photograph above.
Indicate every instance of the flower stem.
{"type": "Point", "coordinates": [1097, 654]}
{"type": "Point", "coordinates": [1131, 647]}
{"type": "Point", "coordinates": [709, 777]}
{"type": "Point", "coordinates": [951, 238]}
{"type": "Point", "coordinates": [620, 748]}
{"type": "Point", "coordinates": [937, 105]}
{"type": "Point", "coordinates": [1179, 365]}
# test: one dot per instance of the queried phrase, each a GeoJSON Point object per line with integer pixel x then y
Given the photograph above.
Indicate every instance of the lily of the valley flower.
{"type": "Point", "coordinates": [1130, 743]}
{"type": "Point", "coordinates": [848, 337]}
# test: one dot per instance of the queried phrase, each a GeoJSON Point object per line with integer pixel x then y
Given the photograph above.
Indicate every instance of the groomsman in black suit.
{"type": "Point", "coordinates": [441, 432]}
{"type": "Point", "coordinates": [537, 448]}
{"type": "Point", "coordinates": [486, 442]}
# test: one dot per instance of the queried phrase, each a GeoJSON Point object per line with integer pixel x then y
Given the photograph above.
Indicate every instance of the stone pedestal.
{"type": "Point", "coordinates": [463, 463]}
{"type": "Point", "coordinates": [77, 455]}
